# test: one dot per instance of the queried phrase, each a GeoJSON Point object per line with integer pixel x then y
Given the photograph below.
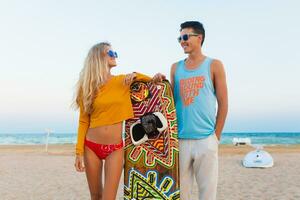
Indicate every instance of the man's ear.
{"type": "Point", "coordinates": [200, 38]}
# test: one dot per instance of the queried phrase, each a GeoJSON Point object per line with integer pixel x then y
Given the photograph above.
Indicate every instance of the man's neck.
{"type": "Point", "coordinates": [196, 56]}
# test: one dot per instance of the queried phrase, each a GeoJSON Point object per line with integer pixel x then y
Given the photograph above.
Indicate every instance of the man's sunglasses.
{"type": "Point", "coordinates": [112, 54]}
{"type": "Point", "coordinates": [185, 37]}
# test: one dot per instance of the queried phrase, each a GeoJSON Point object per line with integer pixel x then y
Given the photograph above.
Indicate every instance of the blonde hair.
{"type": "Point", "coordinates": [92, 76]}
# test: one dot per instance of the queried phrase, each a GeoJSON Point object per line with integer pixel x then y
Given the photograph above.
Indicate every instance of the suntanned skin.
{"type": "Point", "coordinates": [93, 166]}
{"type": "Point", "coordinates": [192, 47]}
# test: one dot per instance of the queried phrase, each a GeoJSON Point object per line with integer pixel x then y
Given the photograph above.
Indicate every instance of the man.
{"type": "Point", "coordinates": [199, 83]}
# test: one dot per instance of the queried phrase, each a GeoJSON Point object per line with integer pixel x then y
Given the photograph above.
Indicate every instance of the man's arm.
{"type": "Point", "coordinates": [219, 80]}
{"type": "Point", "coordinates": [160, 77]}
{"type": "Point", "coordinates": [172, 75]}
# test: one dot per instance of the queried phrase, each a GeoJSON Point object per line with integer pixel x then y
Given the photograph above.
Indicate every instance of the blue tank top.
{"type": "Point", "coordinates": [195, 101]}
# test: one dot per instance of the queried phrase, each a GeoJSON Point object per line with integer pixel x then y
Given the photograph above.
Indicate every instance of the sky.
{"type": "Point", "coordinates": [43, 45]}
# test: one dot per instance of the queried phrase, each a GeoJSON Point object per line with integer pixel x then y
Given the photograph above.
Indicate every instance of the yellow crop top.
{"type": "Point", "coordinates": [112, 104]}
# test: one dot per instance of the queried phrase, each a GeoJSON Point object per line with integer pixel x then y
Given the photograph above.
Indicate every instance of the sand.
{"type": "Point", "coordinates": [28, 172]}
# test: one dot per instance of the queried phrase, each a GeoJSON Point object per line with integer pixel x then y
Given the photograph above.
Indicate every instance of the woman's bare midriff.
{"type": "Point", "coordinates": [109, 134]}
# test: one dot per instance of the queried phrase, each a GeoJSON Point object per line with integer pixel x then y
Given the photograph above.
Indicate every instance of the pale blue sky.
{"type": "Point", "coordinates": [43, 45]}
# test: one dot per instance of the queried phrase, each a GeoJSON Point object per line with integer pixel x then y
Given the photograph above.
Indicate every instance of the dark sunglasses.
{"type": "Point", "coordinates": [185, 37]}
{"type": "Point", "coordinates": [112, 54]}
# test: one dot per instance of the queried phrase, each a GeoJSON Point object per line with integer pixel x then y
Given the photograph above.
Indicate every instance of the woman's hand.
{"type": "Point", "coordinates": [79, 164]}
{"type": "Point", "coordinates": [158, 78]}
{"type": "Point", "coordinates": [129, 78]}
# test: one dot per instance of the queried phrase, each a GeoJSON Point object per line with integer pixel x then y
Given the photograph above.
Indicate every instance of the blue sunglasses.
{"type": "Point", "coordinates": [112, 54]}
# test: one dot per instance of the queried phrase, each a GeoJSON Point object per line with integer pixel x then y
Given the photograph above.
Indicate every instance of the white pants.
{"type": "Point", "coordinates": [199, 158]}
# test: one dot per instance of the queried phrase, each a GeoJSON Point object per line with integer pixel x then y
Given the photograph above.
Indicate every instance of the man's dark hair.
{"type": "Point", "coordinates": [196, 26]}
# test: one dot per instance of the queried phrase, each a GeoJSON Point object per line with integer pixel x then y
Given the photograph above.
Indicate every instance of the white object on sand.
{"type": "Point", "coordinates": [258, 158]}
{"type": "Point", "coordinates": [241, 141]}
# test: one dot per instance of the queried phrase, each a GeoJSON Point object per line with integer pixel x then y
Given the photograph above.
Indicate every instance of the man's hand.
{"type": "Point", "coordinates": [158, 78]}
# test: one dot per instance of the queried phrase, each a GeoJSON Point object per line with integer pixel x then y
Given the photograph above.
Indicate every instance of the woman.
{"type": "Point", "coordinates": [104, 103]}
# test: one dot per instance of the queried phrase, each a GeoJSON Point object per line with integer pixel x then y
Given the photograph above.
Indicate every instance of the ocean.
{"type": "Point", "coordinates": [266, 138]}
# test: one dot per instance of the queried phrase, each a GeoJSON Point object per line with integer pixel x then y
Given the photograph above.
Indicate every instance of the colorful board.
{"type": "Point", "coordinates": [152, 168]}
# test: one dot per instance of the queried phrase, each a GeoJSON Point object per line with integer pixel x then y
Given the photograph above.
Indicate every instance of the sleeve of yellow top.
{"type": "Point", "coordinates": [84, 123]}
{"type": "Point", "coordinates": [142, 77]}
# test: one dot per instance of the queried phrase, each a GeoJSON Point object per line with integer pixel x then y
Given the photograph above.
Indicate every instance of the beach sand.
{"type": "Point", "coordinates": [28, 172]}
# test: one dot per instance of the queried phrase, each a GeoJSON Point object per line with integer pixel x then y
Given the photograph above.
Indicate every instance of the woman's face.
{"type": "Point", "coordinates": [111, 57]}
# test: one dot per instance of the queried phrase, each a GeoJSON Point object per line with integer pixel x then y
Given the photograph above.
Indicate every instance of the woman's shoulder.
{"type": "Point", "coordinates": [120, 77]}
{"type": "Point", "coordinates": [139, 76]}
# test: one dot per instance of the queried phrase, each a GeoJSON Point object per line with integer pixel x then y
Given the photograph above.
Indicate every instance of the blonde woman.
{"type": "Point", "coordinates": [104, 103]}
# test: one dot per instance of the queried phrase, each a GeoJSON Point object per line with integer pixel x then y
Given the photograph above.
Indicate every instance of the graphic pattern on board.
{"type": "Point", "coordinates": [151, 169]}
{"type": "Point", "coordinates": [141, 187]}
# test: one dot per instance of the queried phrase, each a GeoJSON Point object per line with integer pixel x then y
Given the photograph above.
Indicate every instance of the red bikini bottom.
{"type": "Point", "coordinates": [103, 150]}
